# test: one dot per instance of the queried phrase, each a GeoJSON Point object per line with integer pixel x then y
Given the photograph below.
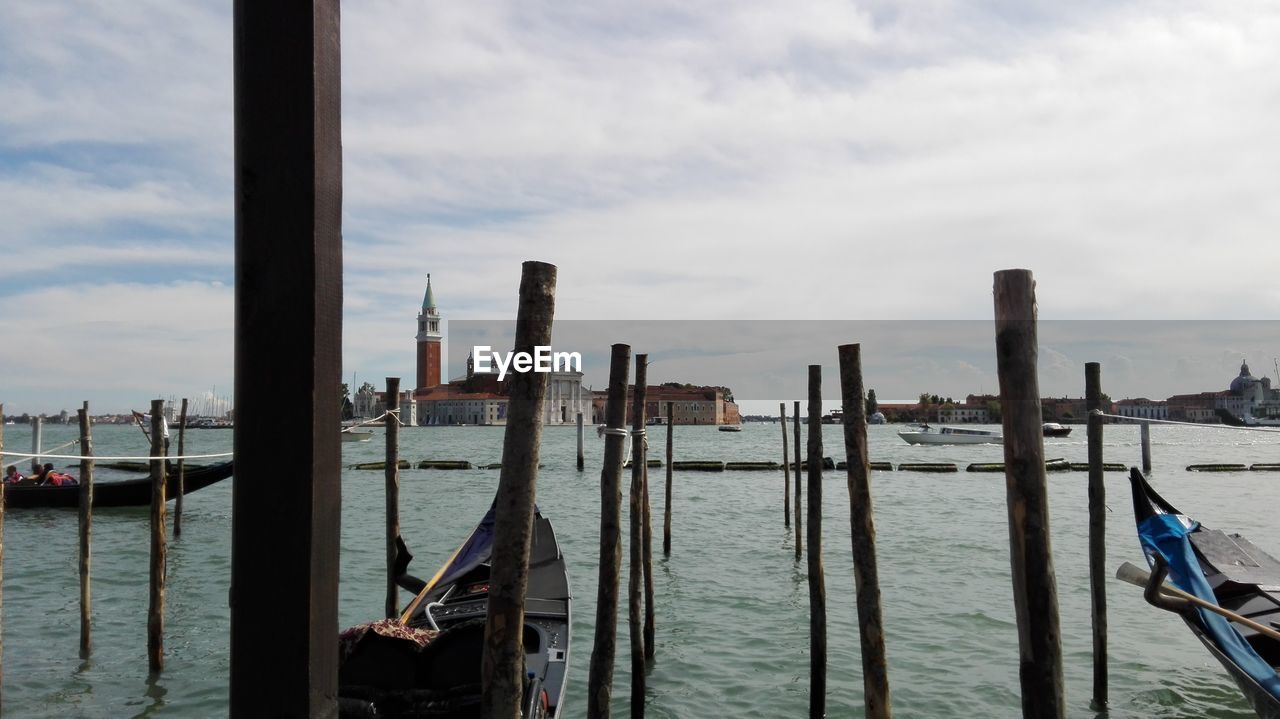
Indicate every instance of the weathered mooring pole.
{"type": "Point", "coordinates": [1144, 432]}
{"type": "Point", "coordinates": [646, 531]}
{"type": "Point", "coordinates": [817, 582]}
{"type": "Point", "coordinates": [159, 551]}
{"type": "Point", "coordinates": [600, 673]}
{"type": "Point", "coordinates": [86, 531]}
{"type": "Point", "coordinates": [1035, 591]}
{"type": "Point", "coordinates": [862, 531]}
{"type": "Point", "coordinates": [799, 467]}
{"type": "Point", "coordinates": [392, 483]}
{"type": "Point", "coordinates": [1097, 533]}
{"type": "Point", "coordinates": [37, 433]}
{"type": "Point", "coordinates": [1, 562]}
{"type": "Point", "coordinates": [666, 520]}
{"type": "Point", "coordinates": [636, 511]}
{"type": "Point", "coordinates": [502, 665]}
{"type": "Point", "coordinates": [786, 468]}
{"type": "Point", "coordinates": [181, 470]}
{"type": "Point", "coordinates": [581, 458]}
{"type": "Point", "coordinates": [288, 355]}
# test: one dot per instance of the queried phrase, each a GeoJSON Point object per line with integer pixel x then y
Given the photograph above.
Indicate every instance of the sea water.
{"type": "Point", "coordinates": [731, 601]}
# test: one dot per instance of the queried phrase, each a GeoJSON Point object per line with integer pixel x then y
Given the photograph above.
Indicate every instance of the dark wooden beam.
{"type": "Point", "coordinates": [285, 524]}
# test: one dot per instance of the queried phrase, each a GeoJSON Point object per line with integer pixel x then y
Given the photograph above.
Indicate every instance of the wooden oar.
{"type": "Point", "coordinates": [413, 606]}
{"type": "Point", "coordinates": [1136, 575]}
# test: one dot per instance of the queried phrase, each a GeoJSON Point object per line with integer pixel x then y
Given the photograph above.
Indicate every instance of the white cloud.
{"type": "Point", "coordinates": [716, 160]}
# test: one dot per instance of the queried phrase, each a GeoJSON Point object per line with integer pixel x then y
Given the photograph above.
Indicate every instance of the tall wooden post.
{"type": "Point", "coordinates": [502, 665]}
{"type": "Point", "coordinates": [37, 433]}
{"type": "Point", "coordinates": [86, 532]}
{"type": "Point", "coordinates": [581, 458]}
{"type": "Point", "coordinates": [636, 511]}
{"type": "Point", "coordinates": [817, 582]}
{"type": "Point", "coordinates": [392, 478]}
{"type": "Point", "coordinates": [1145, 433]}
{"type": "Point", "coordinates": [786, 468]}
{"type": "Point", "coordinates": [862, 531]}
{"type": "Point", "coordinates": [600, 674]}
{"type": "Point", "coordinates": [181, 469]}
{"type": "Point", "coordinates": [1097, 533]}
{"type": "Point", "coordinates": [159, 552]}
{"type": "Point", "coordinates": [1, 561]}
{"type": "Point", "coordinates": [288, 358]}
{"type": "Point", "coordinates": [666, 521]}
{"type": "Point", "coordinates": [799, 466]}
{"type": "Point", "coordinates": [1035, 591]}
{"type": "Point", "coordinates": [646, 530]}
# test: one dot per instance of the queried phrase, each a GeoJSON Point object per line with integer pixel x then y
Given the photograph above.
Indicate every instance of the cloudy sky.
{"type": "Point", "coordinates": [714, 161]}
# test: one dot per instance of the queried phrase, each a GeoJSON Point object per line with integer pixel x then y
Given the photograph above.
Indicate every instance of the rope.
{"type": "Point", "coordinates": [393, 413]}
{"type": "Point", "coordinates": [147, 458]}
{"type": "Point", "coordinates": [1142, 420]}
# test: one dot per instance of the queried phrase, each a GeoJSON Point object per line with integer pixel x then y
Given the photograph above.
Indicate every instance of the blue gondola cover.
{"type": "Point", "coordinates": [1167, 535]}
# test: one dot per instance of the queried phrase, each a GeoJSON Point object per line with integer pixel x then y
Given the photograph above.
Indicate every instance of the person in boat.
{"type": "Point", "coordinates": [53, 478]}
{"type": "Point", "coordinates": [12, 475]}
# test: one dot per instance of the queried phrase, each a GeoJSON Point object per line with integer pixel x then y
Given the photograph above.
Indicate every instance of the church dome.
{"type": "Point", "coordinates": [1245, 381]}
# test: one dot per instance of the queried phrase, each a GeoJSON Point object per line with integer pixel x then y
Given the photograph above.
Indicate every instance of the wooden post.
{"type": "Point", "coordinates": [817, 583]}
{"type": "Point", "coordinates": [155, 609]}
{"type": "Point", "coordinates": [1, 562]}
{"type": "Point", "coordinates": [647, 531]}
{"type": "Point", "coordinates": [600, 674]}
{"type": "Point", "coordinates": [502, 665]}
{"type": "Point", "coordinates": [581, 459]}
{"type": "Point", "coordinates": [288, 359]}
{"type": "Point", "coordinates": [636, 511]}
{"type": "Point", "coordinates": [862, 530]}
{"type": "Point", "coordinates": [181, 469]}
{"type": "Point", "coordinates": [86, 532]}
{"type": "Point", "coordinates": [786, 469]}
{"type": "Point", "coordinates": [1097, 534]}
{"type": "Point", "coordinates": [1035, 591]}
{"type": "Point", "coordinates": [37, 432]}
{"type": "Point", "coordinates": [1145, 430]}
{"type": "Point", "coordinates": [392, 476]}
{"type": "Point", "coordinates": [799, 466]}
{"type": "Point", "coordinates": [666, 521]}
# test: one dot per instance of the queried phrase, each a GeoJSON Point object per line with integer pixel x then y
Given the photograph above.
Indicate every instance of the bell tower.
{"type": "Point", "coordinates": [429, 338]}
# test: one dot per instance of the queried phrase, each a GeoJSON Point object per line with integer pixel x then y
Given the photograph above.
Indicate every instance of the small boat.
{"type": "Point", "coordinates": [1224, 570]}
{"type": "Point", "coordinates": [924, 434]}
{"type": "Point", "coordinates": [730, 428]}
{"type": "Point", "coordinates": [1053, 429]}
{"type": "Point", "coordinates": [122, 493]}
{"type": "Point", "coordinates": [351, 434]}
{"type": "Point", "coordinates": [427, 662]}
{"type": "Point", "coordinates": [876, 418]}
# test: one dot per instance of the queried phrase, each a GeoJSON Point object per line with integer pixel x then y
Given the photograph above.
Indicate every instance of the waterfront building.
{"type": "Point", "coordinates": [690, 404]}
{"type": "Point", "coordinates": [1143, 408]}
{"type": "Point", "coordinates": [966, 413]}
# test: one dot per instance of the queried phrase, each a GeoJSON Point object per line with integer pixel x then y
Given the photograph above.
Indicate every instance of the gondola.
{"type": "Point", "coordinates": [115, 493]}
{"type": "Point", "coordinates": [1225, 570]}
{"type": "Point", "coordinates": [426, 663]}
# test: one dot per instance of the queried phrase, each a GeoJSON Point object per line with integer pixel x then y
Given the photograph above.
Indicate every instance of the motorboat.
{"type": "Point", "coordinates": [1053, 429]}
{"type": "Point", "coordinates": [924, 434]}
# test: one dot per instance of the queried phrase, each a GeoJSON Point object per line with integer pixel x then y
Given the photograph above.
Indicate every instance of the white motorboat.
{"type": "Point", "coordinates": [351, 434]}
{"type": "Point", "coordinates": [925, 434]}
{"type": "Point", "coordinates": [730, 428]}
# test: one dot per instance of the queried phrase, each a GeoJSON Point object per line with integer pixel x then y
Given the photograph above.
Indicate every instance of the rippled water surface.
{"type": "Point", "coordinates": [732, 603]}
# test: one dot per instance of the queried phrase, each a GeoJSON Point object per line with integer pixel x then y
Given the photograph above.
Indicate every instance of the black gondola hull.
{"type": "Point", "coordinates": [122, 493]}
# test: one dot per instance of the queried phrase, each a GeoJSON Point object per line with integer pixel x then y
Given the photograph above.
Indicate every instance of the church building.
{"type": "Point", "coordinates": [478, 398]}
